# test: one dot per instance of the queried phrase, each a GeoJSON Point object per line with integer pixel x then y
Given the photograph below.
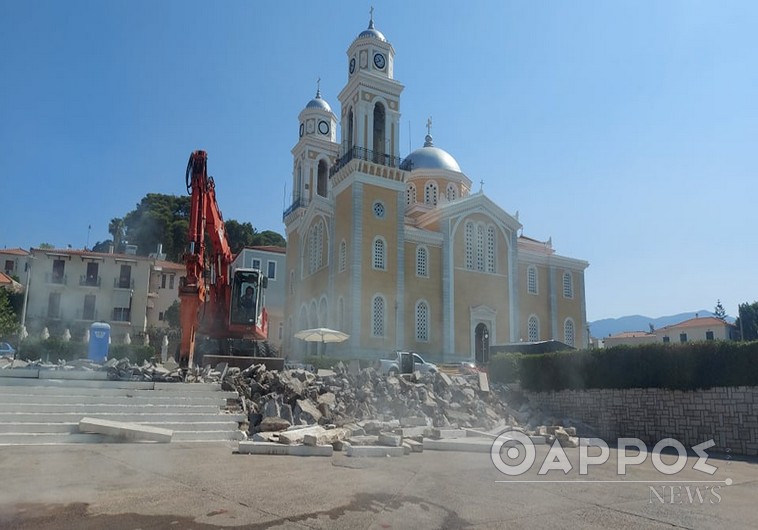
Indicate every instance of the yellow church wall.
{"type": "Point", "coordinates": [534, 304]}
{"type": "Point", "coordinates": [428, 288]}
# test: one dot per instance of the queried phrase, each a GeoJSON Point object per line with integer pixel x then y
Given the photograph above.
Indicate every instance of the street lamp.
{"type": "Point", "coordinates": [485, 347]}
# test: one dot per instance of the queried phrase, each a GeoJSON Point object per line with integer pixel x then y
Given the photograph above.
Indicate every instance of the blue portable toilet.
{"type": "Point", "coordinates": [99, 339]}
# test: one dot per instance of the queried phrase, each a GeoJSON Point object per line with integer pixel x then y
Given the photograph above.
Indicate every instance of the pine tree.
{"type": "Point", "coordinates": [719, 311]}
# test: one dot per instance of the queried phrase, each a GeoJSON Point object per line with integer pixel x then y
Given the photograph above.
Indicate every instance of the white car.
{"type": "Point", "coordinates": [6, 349]}
{"type": "Point", "coordinates": [398, 366]}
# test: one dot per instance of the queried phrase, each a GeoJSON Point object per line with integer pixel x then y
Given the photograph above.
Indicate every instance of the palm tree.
{"type": "Point", "coordinates": [117, 229]}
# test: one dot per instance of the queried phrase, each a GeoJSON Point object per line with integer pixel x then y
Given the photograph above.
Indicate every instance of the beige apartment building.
{"type": "Point", "coordinates": [399, 253]}
{"type": "Point", "coordinates": [70, 289]}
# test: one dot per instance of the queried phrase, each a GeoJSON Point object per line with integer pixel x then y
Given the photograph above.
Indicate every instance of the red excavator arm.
{"type": "Point", "coordinates": [205, 293]}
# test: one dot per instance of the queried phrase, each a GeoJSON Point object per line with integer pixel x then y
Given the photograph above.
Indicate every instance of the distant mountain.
{"type": "Point", "coordinates": [611, 326]}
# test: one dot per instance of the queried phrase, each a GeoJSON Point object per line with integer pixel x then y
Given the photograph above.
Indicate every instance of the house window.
{"type": "Point", "coordinates": [9, 267]}
{"type": "Point", "coordinates": [709, 335]}
{"type": "Point", "coordinates": [92, 274]}
{"type": "Point", "coordinates": [379, 210]}
{"type": "Point", "coordinates": [58, 271]}
{"type": "Point", "coordinates": [377, 317]}
{"type": "Point", "coordinates": [160, 315]}
{"type": "Point", "coordinates": [421, 261]}
{"type": "Point", "coordinates": [54, 305]}
{"type": "Point", "coordinates": [316, 247]}
{"type": "Point", "coordinates": [533, 329]}
{"type": "Point", "coordinates": [568, 332]}
{"type": "Point", "coordinates": [257, 264]}
{"type": "Point", "coordinates": [121, 314]}
{"type": "Point", "coordinates": [531, 279]}
{"type": "Point", "coordinates": [343, 256]}
{"type": "Point", "coordinates": [380, 262]}
{"type": "Point", "coordinates": [271, 270]}
{"type": "Point", "coordinates": [666, 340]}
{"type": "Point", "coordinates": [163, 281]}
{"type": "Point", "coordinates": [89, 307]}
{"type": "Point", "coordinates": [422, 322]}
{"type": "Point", "coordinates": [125, 277]}
{"type": "Point", "coordinates": [171, 281]}
{"type": "Point", "coordinates": [568, 285]}
{"type": "Point", "coordinates": [682, 337]}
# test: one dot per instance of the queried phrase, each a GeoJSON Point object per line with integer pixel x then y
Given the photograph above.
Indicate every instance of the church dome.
{"type": "Point", "coordinates": [430, 157]}
{"type": "Point", "coordinates": [371, 32]}
{"type": "Point", "coordinates": [319, 103]}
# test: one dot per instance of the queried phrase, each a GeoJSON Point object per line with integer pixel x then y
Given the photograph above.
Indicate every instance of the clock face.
{"type": "Point", "coordinates": [379, 61]}
{"type": "Point", "coordinates": [323, 127]}
{"type": "Point", "coordinates": [302, 129]}
{"type": "Point", "coordinates": [352, 65]}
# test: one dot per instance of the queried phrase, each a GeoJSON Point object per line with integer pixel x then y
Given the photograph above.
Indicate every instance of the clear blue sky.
{"type": "Point", "coordinates": [626, 130]}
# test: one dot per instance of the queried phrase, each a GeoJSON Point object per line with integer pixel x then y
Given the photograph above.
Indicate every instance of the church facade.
{"type": "Point", "coordinates": [400, 253]}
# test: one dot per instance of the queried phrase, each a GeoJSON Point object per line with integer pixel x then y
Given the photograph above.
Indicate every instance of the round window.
{"type": "Point", "coordinates": [378, 209]}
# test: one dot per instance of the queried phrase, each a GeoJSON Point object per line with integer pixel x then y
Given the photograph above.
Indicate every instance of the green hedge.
{"type": "Point", "coordinates": [505, 367]}
{"type": "Point", "coordinates": [683, 367]}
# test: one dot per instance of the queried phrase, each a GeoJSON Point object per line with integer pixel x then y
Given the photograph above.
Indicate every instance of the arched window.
{"type": "Point", "coordinates": [422, 322]}
{"type": "Point", "coordinates": [479, 247]}
{"type": "Point", "coordinates": [341, 314]}
{"type": "Point", "coordinates": [430, 193]}
{"type": "Point", "coordinates": [422, 258]}
{"type": "Point", "coordinates": [491, 248]}
{"type": "Point", "coordinates": [410, 195]}
{"type": "Point", "coordinates": [298, 191]}
{"type": "Point", "coordinates": [350, 130]}
{"type": "Point", "coordinates": [451, 193]}
{"type": "Point", "coordinates": [469, 245]}
{"type": "Point", "coordinates": [322, 178]}
{"type": "Point", "coordinates": [343, 256]}
{"type": "Point", "coordinates": [531, 279]}
{"type": "Point", "coordinates": [533, 329]}
{"type": "Point", "coordinates": [568, 332]}
{"type": "Point", "coordinates": [379, 136]}
{"type": "Point", "coordinates": [377, 317]}
{"type": "Point", "coordinates": [568, 285]}
{"type": "Point", "coordinates": [323, 313]}
{"type": "Point", "coordinates": [380, 258]}
{"type": "Point", "coordinates": [316, 247]}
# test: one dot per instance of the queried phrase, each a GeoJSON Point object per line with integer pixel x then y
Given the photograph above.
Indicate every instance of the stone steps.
{"type": "Point", "coordinates": [44, 410]}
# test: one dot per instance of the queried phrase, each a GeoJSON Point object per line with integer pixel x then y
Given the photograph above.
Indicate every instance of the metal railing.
{"type": "Point", "coordinates": [90, 281]}
{"type": "Point", "coordinates": [300, 202]}
{"type": "Point", "coordinates": [56, 278]}
{"type": "Point", "coordinates": [361, 153]}
{"type": "Point", "coordinates": [120, 283]}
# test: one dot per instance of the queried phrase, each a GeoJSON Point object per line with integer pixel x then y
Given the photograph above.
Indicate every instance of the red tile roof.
{"type": "Point", "coordinates": [15, 251]}
{"type": "Point", "coordinates": [269, 248]}
{"type": "Point", "coordinates": [699, 322]}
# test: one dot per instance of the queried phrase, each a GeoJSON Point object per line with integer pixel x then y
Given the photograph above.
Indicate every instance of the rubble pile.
{"type": "Point", "coordinates": [277, 400]}
{"type": "Point", "coordinates": [122, 370]}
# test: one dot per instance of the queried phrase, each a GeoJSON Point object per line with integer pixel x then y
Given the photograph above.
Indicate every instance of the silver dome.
{"type": "Point", "coordinates": [319, 103]}
{"type": "Point", "coordinates": [371, 32]}
{"type": "Point", "coordinates": [430, 157]}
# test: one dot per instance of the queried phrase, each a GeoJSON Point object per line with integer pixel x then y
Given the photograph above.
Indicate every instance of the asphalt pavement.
{"type": "Point", "coordinates": [203, 486]}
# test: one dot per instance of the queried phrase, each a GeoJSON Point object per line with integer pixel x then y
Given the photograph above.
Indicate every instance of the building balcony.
{"type": "Point", "coordinates": [300, 202]}
{"type": "Point", "coordinates": [121, 283]}
{"type": "Point", "coordinates": [56, 279]}
{"type": "Point", "coordinates": [368, 155]}
{"type": "Point", "coordinates": [90, 281]}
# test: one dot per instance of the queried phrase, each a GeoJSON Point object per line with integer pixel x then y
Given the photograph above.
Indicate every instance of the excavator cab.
{"type": "Point", "coordinates": [247, 296]}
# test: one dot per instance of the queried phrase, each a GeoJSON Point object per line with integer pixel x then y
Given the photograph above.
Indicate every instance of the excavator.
{"type": "Point", "coordinates": [221, 312]}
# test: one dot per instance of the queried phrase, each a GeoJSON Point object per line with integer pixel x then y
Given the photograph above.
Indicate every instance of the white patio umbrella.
{"type": "Point", "coordinates": [322, 335]}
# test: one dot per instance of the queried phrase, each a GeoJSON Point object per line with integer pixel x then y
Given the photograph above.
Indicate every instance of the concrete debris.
{"type": "Point", "coordinates": [364, 413]}
{"type": "Point", "coordinates": [125, 430]}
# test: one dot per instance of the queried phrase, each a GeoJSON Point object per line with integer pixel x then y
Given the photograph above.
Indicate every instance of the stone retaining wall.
{"type": "Point", "coordinates": [728, 415]}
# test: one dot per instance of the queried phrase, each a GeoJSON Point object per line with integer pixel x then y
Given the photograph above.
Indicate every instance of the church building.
{"type": "Point", "coordinates": [399, 253]}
